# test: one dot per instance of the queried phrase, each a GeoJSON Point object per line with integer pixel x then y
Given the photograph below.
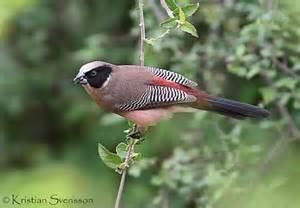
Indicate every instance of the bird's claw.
{"type": "Point", "coordinates": [135, 134]}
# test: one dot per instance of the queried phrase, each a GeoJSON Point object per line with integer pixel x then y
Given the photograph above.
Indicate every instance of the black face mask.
{"type": "Point", "coordinates": [98, 76]}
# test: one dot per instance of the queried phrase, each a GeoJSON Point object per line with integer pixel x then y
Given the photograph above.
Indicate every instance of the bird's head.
{"type": "Point", "coordinates": [96, 74]}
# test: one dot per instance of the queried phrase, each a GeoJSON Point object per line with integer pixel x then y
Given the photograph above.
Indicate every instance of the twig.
{"type": "Point", "coordinates": [132, 142]}
{"type": "Point", "coordinates": [228, 3]}
{"type": "Point", "coordinates": [269, 5]}
{"type": "Point", "coordinates": [142, 34]}
{"type": "Point", "coordinates": [292, 127]}
{"type": "Point", "coordinates": [284, 68]}
{"type": "Point", "coordinates": [165, 198]}
{"type": "Point", "coordinates": [2, 153]}
{"type": "Point", "coordinates": [165, 6]}
{"type": "Point", "coordinates": [124, 173]}
{"type": "Point", "coordinates": [156, 10]}
{"type": "Point", "coordinates": [279, 146]}
{"type": "Point", "coordinates": [277, 149]}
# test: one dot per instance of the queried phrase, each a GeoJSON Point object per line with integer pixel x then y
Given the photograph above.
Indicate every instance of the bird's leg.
{"type": "Point", "coordinates": [137, 132]}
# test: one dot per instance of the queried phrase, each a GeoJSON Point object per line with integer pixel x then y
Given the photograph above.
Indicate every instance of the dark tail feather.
{"type": "Point", "coordinates": [236, 109]}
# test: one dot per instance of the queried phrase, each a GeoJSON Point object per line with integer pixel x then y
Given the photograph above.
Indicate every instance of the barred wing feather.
{"type": "Point", "coordinates": [172, 76]}
{"type": "Point", "coordinates": [158, 96]}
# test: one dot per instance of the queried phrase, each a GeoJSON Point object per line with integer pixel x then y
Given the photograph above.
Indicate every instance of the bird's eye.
{"type": "Point", "coordinates": [93, 73]}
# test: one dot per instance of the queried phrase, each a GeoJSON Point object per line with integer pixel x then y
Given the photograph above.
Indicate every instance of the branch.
{"type": "Point", "coordinates": [157, 11]}
{"type": "Point", "coordinates": [284, 68]}
{"type": "Point", "coordinates": [165, 6]}
{"type": "Point", "coordinates": [276, 150]}
{"type": "Point", "coordinates": [132, 141]}
{"type": "Point", "coordinates": [124, 173]}
{"type": "Point", "coordinates": [280, 145]}
{"type": "Point", "coordinates": [142, 34]}
{"type": "Point", "coordinates": [228, 3]}
{"type": "Point", "coordinates": [292, 127]}
{"type": "Point", "coordinates": [165, 198]}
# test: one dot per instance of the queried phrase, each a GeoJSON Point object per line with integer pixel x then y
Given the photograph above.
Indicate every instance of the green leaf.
{"type": "Point", "coordinates": [286, 82]}
{"type": "Point", "coordinates": [296, 104]}
{"type": "Point", "coordinates": [110, 159]}
{"type": "Point", "coordinates": [121, 150]}
{"type": "Point", "coordinates": [130, 124]}
{"type": "Point", "coordinates": [270, 73]}
{"type": "Point", "coordinates": [237, 70]}
{"type": "Point", "coordinates": [136, 156]}
{"type": "Point", "coordinates": [284, 98]}
{"type": "Point", "coordinates": [181, 16]}
{"type": "Point", "coordinates": [188, 10]}
{"type": "Point", "coordinates": [171, 4]}
{"type": "Point", "coordinates": [169, 23]}
{"type": "Point", "coordinates": [255, 69]}
{"type": "Point", "coordinates": [189, 28]}
{"type": "Point", "coordinates": [149, 41]}
{"type": "Point", "coordinates": [269, 94]}
{"type": "Point", "coordinates": [240, 50]}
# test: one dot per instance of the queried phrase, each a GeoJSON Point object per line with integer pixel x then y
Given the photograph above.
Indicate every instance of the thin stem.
{"type": "Point", "coordinates": [132, 142]}
{"type": "Point", "coordinates": [165, 198]}
{"type": "Point", "coordinates": [228, 3]}
{"type": "Point", "coordinates": [284, 68]}
{"type": "Point", "coordinates": [124, 173]}
{"type": "Point", "coordinates": [120, 191]}
{"type": "Point", "coordinates": [292, 127]}
{"type": "Point", "coordinates": [156, 10]}
{"type": "Point", "coordinates": [165, 6]}
{"type": "Point", "coordinates": [142, 33]}
{"type": "Point", "coordinates": [277, 149]}
{"type": "Point", "coordinates": [293, 130]}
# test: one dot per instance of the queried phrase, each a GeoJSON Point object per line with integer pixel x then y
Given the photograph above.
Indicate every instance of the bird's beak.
{"type": "Point", "coordinates": [80, 79]}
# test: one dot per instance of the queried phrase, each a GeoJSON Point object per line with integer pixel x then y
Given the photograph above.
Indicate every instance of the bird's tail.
{"type": "Point", "coordinates": [231, 108]}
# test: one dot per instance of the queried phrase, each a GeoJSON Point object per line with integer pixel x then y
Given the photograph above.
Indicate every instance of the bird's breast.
{"type": "Point", "coordinates": [102, 99]}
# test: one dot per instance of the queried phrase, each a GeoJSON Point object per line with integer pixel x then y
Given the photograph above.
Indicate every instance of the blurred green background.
{"type": "Point", "coordinates": [49, 128]}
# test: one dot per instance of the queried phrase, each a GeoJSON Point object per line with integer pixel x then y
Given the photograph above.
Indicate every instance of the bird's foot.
{"type": "Point", "coordinates": [136, 133]}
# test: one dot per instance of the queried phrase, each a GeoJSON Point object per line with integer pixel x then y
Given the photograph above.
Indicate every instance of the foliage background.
{"type": "Point", "coordinates": [49, 128]}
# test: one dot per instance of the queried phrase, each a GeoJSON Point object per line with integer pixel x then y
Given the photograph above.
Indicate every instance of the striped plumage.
{"type": "Point", "coordinates": [172, 76]}
{"type": "Point", "coordinates": [146, 95]}
{"type": "Point", "coordinates": [158, 96]}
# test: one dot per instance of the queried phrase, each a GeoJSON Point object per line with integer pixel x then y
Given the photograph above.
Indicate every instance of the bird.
{"type": "Point", "coordinates": [146, 95]}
